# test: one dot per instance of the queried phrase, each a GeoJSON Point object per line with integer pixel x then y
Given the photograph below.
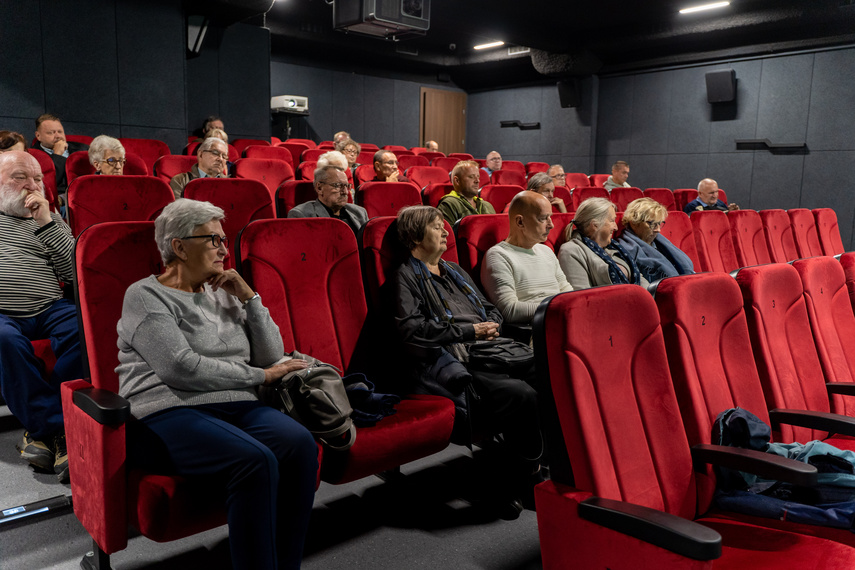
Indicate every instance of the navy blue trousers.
{"type": "Point", "coordinates": [32, 398]}
{"type": "Point", "coordinates": [265, 460]}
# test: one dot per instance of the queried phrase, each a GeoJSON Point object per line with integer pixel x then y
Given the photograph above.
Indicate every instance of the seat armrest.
{"type": "Point", "coordinates": [766, 465]}
{"type": "Point", "coordinates": [842, 388]}
{"type": "Point", "coordinates": [103, 406]}
{"type": "Point", "coordinates": [824, 421]}
{"type": "Point", "coordinates": [676, 534]}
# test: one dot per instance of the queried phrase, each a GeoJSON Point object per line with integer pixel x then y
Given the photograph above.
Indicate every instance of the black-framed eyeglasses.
{"type": "Point", "coordinates": [115, 161]}
{"type": "Point", "coordinates": [339, 186]}
{"type": "Point", "coordinates": [654, 225]}
{"type": "Point", "coordinates": [215, 239]}
{"type": "Point", "coordinates": [558, 176]}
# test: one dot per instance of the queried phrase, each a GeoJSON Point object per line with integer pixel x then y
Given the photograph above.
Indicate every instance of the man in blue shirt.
{"type": "Point", "coordinates": [708, 199]}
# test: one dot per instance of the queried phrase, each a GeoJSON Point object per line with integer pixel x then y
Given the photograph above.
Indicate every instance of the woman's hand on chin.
{"type": "Point", "coordinates": [232, 283]}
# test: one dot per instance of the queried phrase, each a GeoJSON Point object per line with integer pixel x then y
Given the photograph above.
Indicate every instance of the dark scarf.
{"type": "Point", "coordinates": [616, 274]}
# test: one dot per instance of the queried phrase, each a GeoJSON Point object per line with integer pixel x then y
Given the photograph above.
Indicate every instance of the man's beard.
{"type": "Point", "coordinates": [12, 201]}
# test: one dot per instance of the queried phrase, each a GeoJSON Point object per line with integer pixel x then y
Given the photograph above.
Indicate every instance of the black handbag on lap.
{"type": "Point", "coordinates": [502, 355]}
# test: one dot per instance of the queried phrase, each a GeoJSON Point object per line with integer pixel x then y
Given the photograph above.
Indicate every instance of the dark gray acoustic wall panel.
{"type": "Point", "coordinates": [22, 78]}
{"type": "Point", "coordinates": [832, 102]}
{"type": "Point", "coordinates": [245, 81]}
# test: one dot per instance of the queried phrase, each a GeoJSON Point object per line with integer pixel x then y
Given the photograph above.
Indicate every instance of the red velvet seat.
{"type": "Point", "coordinates": [507, 176]}
{"type": "Point", "coordinates": [370, 147]}
{"type": "Point", "coordinates": [461, 155]}
{"type": "Point", "coordinates": [712, 237]}
{"type": "Point", "coordinates": [500, 195]}
{"type": "Point", "coordinates": [48, 175]}
{"type": "Point", "coordinates": [306, 170]}
{"type": "Point", "coordinates": [682, 197]}
{"type": "Point", "coordinates": [565, 195]}
{"type": "Point", "coordinates": [296, 149]}
{"type": "Point", "coordinates": [386, 198]}
{"type": "Point", "coordinates": [678, 230]}
{"type": "Point", "coordinates": [270, 171]}
{"type": "Point", "coordinates": [171, 165]}
{"type": "Point", "coordinates": [94, 199]}
{"type": "Point", "coordinates": [535, 167]}
{"type": "Point", "coordinates": [779, 235]}
{"type": "Point", "coordinates": [293, 193]}
{"type": "Point", "coordinates": [147, 149]}
{"type": "Point", "coordinates": [662, 195]}
{"type": "Point", "coordinates": [621, 197]}
{"type": "Point", "coordinates": [243, 200]}
{"type": "Point", "coordinates": [433, 193]}
{"type": "Point", "coordinates": [424, 175]}
{"type": "Point", "coordinates": [394, 147]}
{"type": "Point", "coordinates": [431, 155]}
{"type": "Point", "coordinates": [475, 235]}
{"type": "Point", "coordinates": [242, 144]}
{"type": "Point", "coordinates": [277, 152]}
{"type": "Point", "coordinates": [308, 142]}
{"type": "Point", "coordinates": [406, 161]}
{"type": "Point", "coordinates": [402, 152]}
{"type": "Point", "coordinates": [312, 154]}
{"type": "Point", "coordinates": [749, 239]}
{"type": "Point", "coordinates": [583, 193]}
{"type": "Point", "coordinates": [613, 414]}
{"type": "Point", "coordinates": [364, 173]}
{"type": "Point", "coordinates": [828, 231]}
{"type": "Point", "coordinates": [804, 232]}
{"type": "Point", "coordinates": [445, 162]}
{"type": "Point", "coordinates": [847, 261]}
{"type": "Point", "coordinates": [366, 157]}
{"type": "Point", "coordinates": [513, 165]}
{"type": "Point", "coordinates": [307, 270]}
{"type": "Point", "coordinates": [77, 164]}
{"type": "Point", "coordinates": [557, 234]}
{"type": "Point", "coordinates": [576, 180]}
{"type": "Point", "coordinates": [598, 179]}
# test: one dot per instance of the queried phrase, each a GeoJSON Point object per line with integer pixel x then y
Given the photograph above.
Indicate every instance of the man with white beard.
{"type": "Point", "coordinates": [35, 255]}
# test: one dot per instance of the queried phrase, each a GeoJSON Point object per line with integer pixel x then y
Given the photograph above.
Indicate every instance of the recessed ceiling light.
{"type": "Point", "coordinates": [490, 45]}
{"type": "Point", "coordinates": [704, 7]}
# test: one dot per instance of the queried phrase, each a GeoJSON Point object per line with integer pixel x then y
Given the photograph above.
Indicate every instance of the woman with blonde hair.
{"type": "Point", "coordinates": [655, 256]}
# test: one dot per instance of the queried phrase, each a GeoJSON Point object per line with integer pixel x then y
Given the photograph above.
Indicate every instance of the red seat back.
{"type": "Point", "coordinates": [581, 194]}
{"type": "Point", "coordinates": [366, 157]}
{"type": "Point", "coordinates": [828, 230]}
{"type": "Point", "coordinates": [682, 197]}
{"type": "Point", "coordinates": [500, 195]}
{"type": "Point", "coordinates": [432, 155]}
{"type": "Point", "coordinates": [277, 152]}
{"type": "Point", "coordinates": [394, 147]}
{"type": "Point", "coordinates": [556, 235]}
{"type": "Point", "coordinates": [678, 230]}
{"type": "Point", "coordinates": [598, 179]}
{"type": "Point", "coordinates": [461, 155]}
{"type": "Point", "coordinates": [402, 152]}
{"type": "Point", "coordinates": [48, 173]}
{"type": "Point", "coordinates": [94, 199]}
{"type": "Point", "coordinates": [329, 145]}
{"type": "Point", "coordinates": [386, 198]}
{"type": "Point", "coordinates": [270, 171]}
{"type": "Point", "coordinates": [296, 149]}
{"type": "Point", "coordinates": [804, 232]}
{"type": "Point", "coordinates": [312, 154]}
{"type": "Point", "coordinates": [475, 235]}
{"type": "Point", "coordinates": [433, 193]}
{"type": "Point", "coordinates": [243, 200]}
{"type": "Point", "coordinates": [171, 165]}
{"type": "Point", "coordinates": [483, 178]}
{"type": "Point", "coordinates": [749, 239]}
{"type": "Point", "coordinates": [847, 261]}
{"type": "Point", "coordinates": [513, 165]}
{"type": "Point", "coordinates": [147, 149]}
{"type": "Point", "coordinates": [576, 180]}
{"type": "Point", "coordinates": [424, 175]}
{"type": "Point", "coordinates": [78, 164]}
{"type": "Point", "coordinates": [662, 195]}
{"type": "Point", "coordinates": [505, 177]}
{"type": "Point", "coordinates": [308, 142]}
{"type": "Point", "coordinates": [370, 147]}
{"type": "Point", "coordinates": [621, 197]}
{"type": "Point", "coordinates": [407, 161]}
{"type": "Point", "coordinates": [534, 167]}
{"type": "Point", "coordinates": [242, 144]}
{"type": "Point", "coordinates": [364, 173]}
{"type": "Point", "coordinates": [306, 171]}
{"type": "Point", "coordinates": [293, 193]}
{"type": "Point", "coordinates": [715, 246]}
{"type": "Point", "coordinates": [779, 236]}
{"type": "Point", "coordinates": [563, 193]}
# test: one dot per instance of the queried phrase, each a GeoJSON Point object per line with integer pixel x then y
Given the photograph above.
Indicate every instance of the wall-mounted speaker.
{"type": "Point", "coordinates": [721, 86]}
{"type": "Point", "coordinates": [569, 93]}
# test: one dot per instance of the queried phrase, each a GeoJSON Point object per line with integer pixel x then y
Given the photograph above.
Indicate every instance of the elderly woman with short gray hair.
{"type": "Point", "coordinates": [195, 342]}
{"type": "Point", "coordinates": [655, 256]}
{"type": "Point", "coordinates": [590, 257]}
{"type": "Point", "coordinates": [107, 155]}
{"type": "Point", "coordinates": [542, 183]}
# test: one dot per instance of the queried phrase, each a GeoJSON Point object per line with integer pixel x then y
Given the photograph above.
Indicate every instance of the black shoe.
{"type": "Point", "coordinates": [60, 465]}
{"type": "Point", "coordinates": [508, 509]}
{"type": "Point", "coordinates": [37, 453]}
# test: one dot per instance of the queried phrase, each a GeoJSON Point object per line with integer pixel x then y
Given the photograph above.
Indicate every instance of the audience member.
{"type": "Point", "coordinates": [10, 140]}
{"type": "Point", "coordinates": [386, 167]}
{"type": "Point", "coordinates": [195, 342]}
{"type": "Point", "coordinates": [541, 183]}
{"type": "Point", "coordinates": [520, 272]}
{"type": "Point", "coordinates": [212, 156]}
{"type": "Point", "coordinates": [332, 188]}
{"type": "Point", "coordinates": [107, 155]}
{"type": "Point", "coordinates": [590, 257]}
{"type": "Point", "coordinates": [464, 200]}
{"type": "Point", "coordinates": [620, 172]}
{"type": "Point", "coordinates": [51, 138]}
{"type": "Point", "coordinates": [437, 305]}
{"type": "Point", "coordinates": [333, 158]}
{"type": "Point", "coordinates": [350, 149]}
{"type": "Point", "coordinates": [340, 136]}
{"type": "Point", "coordinates": [655, 256]}
{"type": "Point", "coordinates": [556, 173]}
{"type": "Point", "coordinates": [210, 123]}
{"type": "Point", "coordinates": [36, 253]}
{"type": "Point", "coordinates": [494, 162]}
{"type": "Point", "coordinates": [218, 133]}
{"type": "Point", "coordinates": [432, 146]}
{"type": "Point", "coordinates": [708, 199]}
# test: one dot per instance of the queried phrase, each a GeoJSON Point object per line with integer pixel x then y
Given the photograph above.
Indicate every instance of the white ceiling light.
{"type": "Point", "coordinates": [490, 45]}
{"type": "Point", "coordinates": [704, 7]}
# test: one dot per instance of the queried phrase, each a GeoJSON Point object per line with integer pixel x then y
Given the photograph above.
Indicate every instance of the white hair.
{"type": "Point", "coordinates": [179, 219]}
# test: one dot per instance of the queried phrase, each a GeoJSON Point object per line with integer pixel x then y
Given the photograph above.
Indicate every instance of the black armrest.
{"type": "Point", "coordinates": [423, 352]}
{"type": "Point", "coordinates": [843, 388]}
{"type": "Point", "coordinates": [834, 423]}
{"type": "Point", "coordinates": [766, 465]}
{"type": "Point", "coordinates": [103, 406]}
{"type": "Point", "coordinates": [676, 534]}
{"type": "Point", "coordinates": [520, 333]}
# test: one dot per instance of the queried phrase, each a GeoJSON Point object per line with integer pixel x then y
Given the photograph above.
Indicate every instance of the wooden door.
{"type": "Point", "coordinates": [442, 117]}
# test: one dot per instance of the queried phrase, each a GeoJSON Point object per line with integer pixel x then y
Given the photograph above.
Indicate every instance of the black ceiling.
{"type": "Point", "coordinates": [568, 38]}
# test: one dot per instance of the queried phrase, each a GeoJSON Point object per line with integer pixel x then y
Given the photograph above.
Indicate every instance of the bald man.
{"type": "Point", "coordinates": [520, 272]}
{"type": "Point", "coordinates": [708, 199]}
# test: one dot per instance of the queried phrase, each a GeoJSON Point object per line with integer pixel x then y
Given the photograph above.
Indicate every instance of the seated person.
{"type": "Point", "coordinates": [386, 167]}
{"type": "Point", "coordinates": [10, 140]}
{"type": "Point", "coordinates": [520, 272]}
{"type": "Point", "coordinates": [494, 162]}
{"type": "Point", "coordinates": [350, 149]}
{"type": "Point", "coordinates": [542, 183]}
{"type": "Point", "coordinates": [655, 256]}
{"type": "Point", "coordinates": [210, 123]}
{"type": "Point", "coordinates": [194, 344]}
{"type": "Point", "coordinates": [51, 137]}
{"type": "Point", "coordinates": [708, 199]}
{"type": "Point", "coordinates": [337, 159]}
{"type": "Point", "coordinates": [332, 187]}
{"type": "Point", "coordinates": [340, 136]}
{"type": "Point", "coordinates": [212, 156]}
{"type": "Point", "coordinates": [464, 200]}
{"type": "Point", "coordinates": [556, 173]}
{"type": "Point", "coordinates": [221, 134]}
{"type": "Point", "coordinates": [590, 257]}
{"type": "Point", "coordinates": [620, 172]}
{"type": "Point", "coordinates": [432, 146]}
{"type": "Point", "coordinates": [107, 155]}
{"type": "Point", "coordinates": [437, 305]}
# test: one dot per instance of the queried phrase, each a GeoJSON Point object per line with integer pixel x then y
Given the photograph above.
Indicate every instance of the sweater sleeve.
{"type": "Point", "coordinates": [59, 243]}
{"type": "Point", "coordinates": [265, 340]}
{"type": "Point", "coordinates": [572, 261]}
{"type": "Point", "coordinates": [498, 278]}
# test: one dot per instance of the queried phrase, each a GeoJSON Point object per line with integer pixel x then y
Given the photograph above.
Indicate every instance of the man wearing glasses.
{"type": "Point", "coordinates": [212, 157]}
{"type": "Point", "coordinates": [708, 199]}
{"type": "Point", "coordinates": [556, 172]}
{"type": "Point", "coordinates": [386, 167]}
{"type": "Point", "coordinates": [333, 189]}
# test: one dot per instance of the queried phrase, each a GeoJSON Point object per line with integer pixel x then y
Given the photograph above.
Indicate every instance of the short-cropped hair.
{"type": "Point", "coordinates": [8, 139]}
{"type": "Point", "coordinates": [321, 172]}
{"type": "Point", "coordinates": [207, 122]}
{"type": "Point", "coordinates": [100, 145]}
{"type": "Point", "coordinates": [45, 117]}
{"type": "Point", "coordinates": [412, 223]}
{"type": "Point", "coordinates": [341, 145]}
{"type": "Point", "coordinates": [208, 143]}
{"type": "Point", "coordinates": [378, 156]}
{"type": "Point", "coordinates": [589, 211]}
{"type": "Point", "coordinates": [619, 163]}
{"type": "Point", "coordinates": [179, 219]}
{"type": "Point", "coordinates": [537, 180]}
{"type": "Point", "coordinates": [644, 210]}
{"type": "Point", "coordinates": [460, 166]}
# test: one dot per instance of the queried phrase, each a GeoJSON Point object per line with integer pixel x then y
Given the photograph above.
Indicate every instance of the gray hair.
{"type": "Point", "coordinates": [331, 158]}
{"type": "Point", "coordinates": [100, 145]}
{"type": "Point", "coordinates": [537, 180]}
{"type": "Point", "coordinates": [378, 156]}
{"type": "Point", "coordinates": [592, 210]}
{"type": "Point", "coordinates": [179, 219]}
{"type": "Point", "coordinates": [209, 142]}
{"type": "Point", "coordinates": [412, 223]}
{"type": "Point", "coordinates": [322, 171]}
{"type": "Point", "coordinates": [343, 144]}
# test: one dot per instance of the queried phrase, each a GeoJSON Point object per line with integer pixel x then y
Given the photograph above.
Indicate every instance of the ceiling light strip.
{"type": "Point", "coordinates": [490, 45]}
{"type": "Point", "coordinates": [712, 6]}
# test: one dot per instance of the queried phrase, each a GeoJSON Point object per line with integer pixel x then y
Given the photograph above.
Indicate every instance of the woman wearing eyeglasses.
{"type": "Point", "coordinates": [107, 155]}
{"type": "Point", "coordinates": [195, 342]}
{"type": "Point", "coordinates": [655, 256]}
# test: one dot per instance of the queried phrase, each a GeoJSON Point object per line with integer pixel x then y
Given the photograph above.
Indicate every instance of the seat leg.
{"type": "Point", "coordinates": [95, 559]}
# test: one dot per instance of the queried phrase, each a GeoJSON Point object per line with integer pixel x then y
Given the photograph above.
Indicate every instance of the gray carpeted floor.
{"type": "Point", "coordinates": [421, 520]}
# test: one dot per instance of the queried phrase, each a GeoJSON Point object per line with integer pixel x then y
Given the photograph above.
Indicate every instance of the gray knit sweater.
{"type": "Point", "coordinates": [182, 349]}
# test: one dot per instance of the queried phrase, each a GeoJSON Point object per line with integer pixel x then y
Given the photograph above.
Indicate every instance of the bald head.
{"type": "Point", "coordinates": [530, 216]}
{"type": "Point", "coordinates": [20, 175]}
{"type": "Point", "coordinates": [16, 157]}
{"type": "Point", "coordinates": [708, 191]}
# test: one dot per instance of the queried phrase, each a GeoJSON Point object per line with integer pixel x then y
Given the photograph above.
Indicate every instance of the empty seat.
{"type": "Point", "coordinates": [621, 197]}
{"type": "Point", "coordinates": [312, 154]}
{"type": "Point", "coordinates": [445, 162]}
{"type": "Point", "coordinates": [847, 260]}
{"type": "Point", "coordinates": [371, 147]}
{"type": "Point", "coordinates": [242, 144]}
{"type": "Point", "coordinates": [475, 235]}
{"type": "Point", "coordinates": [402, 152]}
{"type": "Point", "coordinates": [513, 165]}
{"type": "Point", "coordinates": [277, 152]}
{"type": "Point", "coordinates": [581, 194]}
{"type": "Point", "coordinates": [242, 200]}
{"type": "Point", "coordinates": [433, 193]}
{"type": "Point", "coordinates": [682, 197]}
{"type": "Point", "coordinates": [418, 149]}
{"type": "Point", "coordinates": [406, 161]}
{"type": "Point", "coordinates": [679, 232]}
{"type": "Point", "coordinates": [364, 173]}
{"type": "Point", "coordinates": [270, 171]}
{"type": "Point", "coordinates": [483, 178]}
{"type": "Point", "coordinates": [662, 195]}
{"type": "Point", "coordinates": [293, 193]}
{"type": "Point", "coordinates": [171, 165]}
{"type": "Point", "coordinates": [424, 175]}
{"type": "Point", "coordinates": [749, 239]}
{"type": "Point", "coordinates": [828, 231]}
{"type": "Point", "coordinates": [563, 193]}
{"type": "Point", "coordinates": [386, 198]}
{"type": "Point", "coordinates": [576, 180]}
{"type": "Point", "coordinates": [598, 179]}
{"type": "Point", "coordinates": [147, 149]}
{"type": "Point", "coordinates": [306, 170]}
{"type": "Point", "coordinates": [535, 167]}
{"type": "Point", "coordinates": [296, 149]}
{"type": "Point", "coordinates": [804, 232]}
{"type": "Point", "coordinates": [431, 155]}
{"type": "Point", "coordinates": [779, 235]}
{"type": "Point", "coordinates": [500, 195]}
{"type": "Point", "coordinates": [394, 147]}
{"type": "Point", "coordinates": [308, 142]}
{"type": "Point", "coordinates": [328, 145]}
{"type": "Point", "coordinates": [366, 157]}
{"type": "Point", "coordinates": [461, 155]}
{"type": "Point", "coordinates": [505, 177]}
{"type": "Point", "coordinates": [308, 272]}
{"type": "Point", "coordinates": [95, 199]}
{"type": "Point", "coordinates": [557, 234]}
{"type": "Point", "coordinates": [712, 237]}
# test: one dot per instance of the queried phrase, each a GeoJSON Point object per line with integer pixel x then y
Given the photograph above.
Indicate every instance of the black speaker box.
{"type": "Point", "coordinates": [721, 86]}
{"type": "Point", "coordinates": [568, 93]}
